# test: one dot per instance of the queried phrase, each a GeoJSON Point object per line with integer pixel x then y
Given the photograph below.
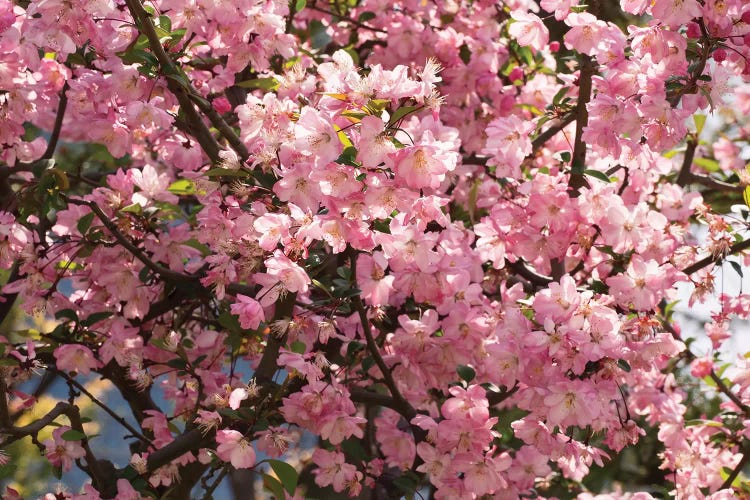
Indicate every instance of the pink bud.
{"type": "Point", "coordinates": [516, 74]}
{"type": "Point", "coordinates": [554, 46]}
{"type": "Point", "coordinates": [720, 55]}
{"type": "Point", "coordinates": [693, 30]}
{"type": "Point", "coordinates": [222, 105]}
{"type": "Point", "coordinates": [746, 17]}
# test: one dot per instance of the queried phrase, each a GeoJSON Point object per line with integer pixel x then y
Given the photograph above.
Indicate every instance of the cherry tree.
{"type": "Point", "coordinates": [376, 249]}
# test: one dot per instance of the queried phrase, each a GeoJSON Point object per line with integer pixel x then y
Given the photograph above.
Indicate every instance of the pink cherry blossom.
{"type": "Point", "coordinates": [62, 452]}
{"type": "Point", "coordinates": [234, 448]}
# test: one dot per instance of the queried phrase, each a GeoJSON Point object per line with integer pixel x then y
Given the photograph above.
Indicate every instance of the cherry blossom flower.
{"type": "Point", "coordinates": [234, 448]}
{"type": "Point", "coordinates": [62, 452]}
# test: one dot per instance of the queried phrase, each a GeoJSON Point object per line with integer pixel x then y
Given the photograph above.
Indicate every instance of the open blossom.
{"type": "Point", "coordinates": [61, 452]}
{"type": "Point", "coordinates": [234, 448]}
{"type": "Point", "coordinates": [528, 30]}
{"type": "Point", "coordinates": [372, 279]}
{"type": "Point", "coordinates": [249, 311]}
{"type": "Point", "coordinates": [315, 136]}
{"type": "Point", "coordinates": [333, 470]}
{"type": "Point", "coordinates": [508, 143]}
{"type": "Point", "coordinates": [424, 165]}
{"type": "Point", "coordinates": [76, 358]}
{"type": "Point", "coordinates": [282, 276]}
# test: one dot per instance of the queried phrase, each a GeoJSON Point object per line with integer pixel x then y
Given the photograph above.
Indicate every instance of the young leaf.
{"type": "Point", "coordinates": [73, 435]}
{"type": "Point", "coordinates": [286, 473]}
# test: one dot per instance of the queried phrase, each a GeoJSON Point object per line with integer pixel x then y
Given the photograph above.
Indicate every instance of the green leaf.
{"type": "Point", "coordinates": [467, 373]}
{"type": "Point", "coordinates": [700, 122]}
{"type": "Point", "coordinates": [230, 322]}
{"type": "Point", "coordinates": [464, 53]}
{"type": "Point", "coordinates": [73, 435]}
{"type": "Point", "coordinates": [746, 196]}
{"type": "Point", "coordinates": [565, 156]}
{"type": "Point", "coordinates": [135, 208]}
{"type": "Point", "coordinates": [348, 156]}
{"type": "Point", "coordinates": [377, 106]}
{"type": "Point", "coordinates": [165, 23]}
{"type": "Point", "coordinates": [226, 172]}
{"type": "Point", "coordinates": [286, 473]}
{"type": "Point", "coordinates": [402, 112]}
{"type": "Point", "coordinates": [259, 83]}
{"type": "Point", "coordinates": [182, 187]}
{"type": "Point", "coordinates": [707, 164]}
{"type": "Point", "coordinates": [344, 272]}
{"type": "Point", "coordinates": [96, 317]}
{"type": "Point", "coordinates": [67, 313]}
{"type": "Point", "coordinates": [737, 267]}
{"type": "Point", "coordinates": [273, 485]}
{"type": "Point", "coordinates": [560, 94]}
{"type": "Point", "coordinates": [178, 363]}
{"type": "Point", "coordinates": [298, 347]}
{"type": "Point", "coordinates": [624, 365]}
{"type": "Point", "coordinates": [84, 223]}
{"type": "Point", "coordinates": [407, 483]}
{"type": "Point", "coordinates": [353, 448]}
{"type": "Point", "coordinates": [704, 422]}
{"type": "Point", "coordinates": [299, 5]}
{"type": "Point", "coordinates": [597, 175]}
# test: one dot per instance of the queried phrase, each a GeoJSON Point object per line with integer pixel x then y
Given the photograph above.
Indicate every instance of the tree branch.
{"type": "Point", "coordinates": [578, 158]}
{"type": "Point", "coordinates": [685, 177]}
{"type": "Point", "coordinates": [520, 269]}
{"type": "Point", "coordinates": [57, 128]}
{"type": "Point", "coordinates": [162, 271]}
{"type": "Point", "coordinates": [737, 469]}
{"type": "Point", "coordinates": [691, 85]}
{"type": "Point", "coordinates": [720, 385]}
{"type": "Point", "coordinates": [556, 126]}
{"type": "Point", "coordinates": [186, 442]}
{"type": "Point", "coordinates": [9, 298]}
{"type": "Point", "coordinates": [181, 89]}
{"type": "Point", "coordinates": [104, 407]}
{"type": "Point", "coordinates": [267, 366]}
{"type": "Point", "coordinates": [404, 408]}
{"type": "Point", "coordinates": [711, 259]}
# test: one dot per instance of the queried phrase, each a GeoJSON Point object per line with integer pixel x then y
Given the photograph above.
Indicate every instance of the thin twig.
{"type": "Point", "coordinates": [57, 128]}
{"type": "Point", "coordinates": [720, 385]}
{"type": "Point", "coordinates": [104, 407]}
{"type": "Point", "coordinates": [162, 271]}
{"type": "Point", "coordinates": [404, 407]}
{"type": "Point", "coordinates": [736, 471]}
{"type": "Point", "coordinates": [349, 20]}
{"type": "Point", "coordinates": [9, 298]}
{"type": "Point", "coordinates": [684, 177]}
{"type": "Point", "coordinates": [194, 121]}
{"type": "Point", "coordinates": [534, 278]}
{"type": "Point", "coordinates": [711, 259]}
{"type": "Point", "coordinates": [556, 126]}
{"type": "Point", "coordinates": [267, 366]}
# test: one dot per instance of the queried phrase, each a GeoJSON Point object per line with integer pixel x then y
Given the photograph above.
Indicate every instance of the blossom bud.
{"type": "Point", "coordinates": [693, 30]}
{"type": "Point", "coordinates": [516, 74]}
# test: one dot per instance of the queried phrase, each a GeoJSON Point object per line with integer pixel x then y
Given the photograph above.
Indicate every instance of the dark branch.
{"type": "Point", "coordinates": [181, 89]}
{"type": "Point", "coordinates": [57, 128]}
{"type": "Point", "coordinates": [711, 259]}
